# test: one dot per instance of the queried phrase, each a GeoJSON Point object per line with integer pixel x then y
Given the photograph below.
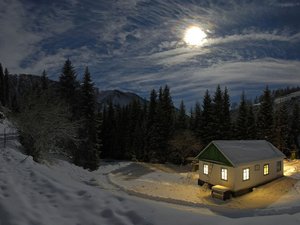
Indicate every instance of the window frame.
{"type": "Point", "coordinates": [266, 166]}
{"type": "Point", "coordinates": [225, 174]}
{"type": "Point", "coordinates": [248, 174]}
{"type": "Point", "coordinates": [280, 167]}
{"type": "Point", "coordinates": [256, 167]}
{"type": "Point", "coordinates": [205, 165]}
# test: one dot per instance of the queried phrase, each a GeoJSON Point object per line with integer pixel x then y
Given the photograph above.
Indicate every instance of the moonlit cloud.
{"type": "Point", "coordinates": [137, 45]}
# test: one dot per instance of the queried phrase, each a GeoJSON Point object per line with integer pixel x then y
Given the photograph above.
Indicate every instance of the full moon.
{"type": "Point", "coordinates": [194, 36]}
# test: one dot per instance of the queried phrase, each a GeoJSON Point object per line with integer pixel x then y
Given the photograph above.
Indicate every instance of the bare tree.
{"type": "Point", "coordinates": [183, 145]}
{"type": "Point", "coordinates": [44, 126]}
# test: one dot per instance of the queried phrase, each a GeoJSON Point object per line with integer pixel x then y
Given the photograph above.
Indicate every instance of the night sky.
{"type": "Point", "coordinates": [137, 45]}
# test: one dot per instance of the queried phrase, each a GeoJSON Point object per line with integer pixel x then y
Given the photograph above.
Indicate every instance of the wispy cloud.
{"type": "Point", "coordinates": [137, 45]}
{"type": "Point", "coordinates": [191, 83]}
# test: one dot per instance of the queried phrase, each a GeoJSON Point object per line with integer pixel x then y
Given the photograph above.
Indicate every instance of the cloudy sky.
{"type": "Point", "coordinates": [137, 45]}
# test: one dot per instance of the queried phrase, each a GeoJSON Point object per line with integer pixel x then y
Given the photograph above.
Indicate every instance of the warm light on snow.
{"type": "Point", "coordinates": [194, 36]}
{"type": "Point", "coordinates": [61, 193]}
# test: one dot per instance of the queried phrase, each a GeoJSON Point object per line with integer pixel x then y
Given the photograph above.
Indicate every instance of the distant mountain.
{"type": "Point", "coordinates": [21, 83]}
{"type": "Point", "coordinates": [117, 98]}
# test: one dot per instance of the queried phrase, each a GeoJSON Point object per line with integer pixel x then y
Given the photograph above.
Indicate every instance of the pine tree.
{"type": "Point", "coordinates": [207, 132]}
{"type": "Point", "coordinates": [181, 122]}
{"type": "Point", "coordinates": [226, 121]}
{"type": "Point", "coordinates": [99, 132]}
{"type": "Point", "coordinates": [88, 97]}
{"type": "Point", "coordinates": [88, 155]}
{"type": "Point", "coordinates": [192, 120]}
{"type": "Point", "coordinates": [152, 108]}
{"type": "Point", "coordinates": [44, 81]}
{"type": "Point", "coordinates": [295, 126]}
{"type": "Point", "coordinates": [1, 85]}
{"type": "Point", "coordinates": [6, 88]}
{"type": "Point", "coordinates": [153, 131]}
{"type": "Point", "coordinates": [166, 118]}
{"type": "Point", "coordinates": [198, 120]}
{"type": "Point", "coordinates": [136, 128]}
{"type": "Point", "coordinates": [241, 123]}
{"type": "Point", "coordinates": [251, 123]}
{"type": "Point", "coordinates": [265, 116]}
{"type": "Point", "coordinates": [68, 86]}
{"type": "Point", "coordinates": [109, 128]}
{"type": "Point", "coordinates": [280, 128]}
{"type": "Point", "coordinates": [218, 114]}
{"type": "Point", "coordinates": [168, 112]}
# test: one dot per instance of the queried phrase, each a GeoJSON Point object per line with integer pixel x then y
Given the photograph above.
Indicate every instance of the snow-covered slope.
{"type": "Point", "coordinates": [294, 95]}
{"type": "Point", "coordinates": [64, 194]}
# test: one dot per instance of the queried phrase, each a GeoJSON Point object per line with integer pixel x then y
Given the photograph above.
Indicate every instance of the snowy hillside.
{"type": "Point", "coordinates": [117, 97]}
{"type": "Point", "coordinates": [294, 95]}
{"type": "Point", "coordinates": [63, 194]}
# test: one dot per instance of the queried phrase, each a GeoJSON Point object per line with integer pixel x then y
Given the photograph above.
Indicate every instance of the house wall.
{"type": "Point", "coordinates": [214, 174]}
{"type": "Point", "coordinates": [257, 177]}
{"type": "Point", "coordinates": [235, 175]}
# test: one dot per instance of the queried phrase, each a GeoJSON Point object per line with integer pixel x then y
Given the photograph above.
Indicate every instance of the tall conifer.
{"type": "Point", "coordinates": [88, 155]}
{"type": "Point", "coordinates": [181, 122]}
{"type": "Point", "coordinates": [207, 133]}
{"type": "Point", "coordinates": [218, 114]}
{"type": "Point", "coordinates": [226, 121]}
{"type": "Point", "coordinates": [241, 123]}
{"type": "Point", "coordinates": [265, 116]}
{"type": "Point", "coordinates": [6, 88]}
{"type": "Point", "coordinates": [280, 128]}
{"type": "Point", "coordinates": [68, 86]}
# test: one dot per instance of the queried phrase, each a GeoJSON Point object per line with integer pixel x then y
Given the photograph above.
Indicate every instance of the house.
{"type": "Point", "coordinates": [239, 165]}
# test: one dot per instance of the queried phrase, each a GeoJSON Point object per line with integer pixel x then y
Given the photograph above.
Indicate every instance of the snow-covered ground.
{"type": "Point", "coordinates": [172, 186]}
{"type": "Point", "coordinates": [61, 193]}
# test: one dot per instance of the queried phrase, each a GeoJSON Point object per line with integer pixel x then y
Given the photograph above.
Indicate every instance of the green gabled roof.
{"type": "Point", "coordinates": [212, 154]}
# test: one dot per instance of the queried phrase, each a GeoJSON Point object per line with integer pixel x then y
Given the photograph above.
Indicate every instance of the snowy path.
{"type": "Point", "coordinates": [63, 194]}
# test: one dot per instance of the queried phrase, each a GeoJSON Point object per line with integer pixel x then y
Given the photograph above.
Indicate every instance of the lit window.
{"type": "Point", "coordinates": [205, 169]}
{"type": "Point", "coordinates": [266, 169]}
{"type": "Point", "coordinates": [278, 166]}
{"type": "Point", "coordinates": [246, 174]}
{"type": "Point", "coordinates": [223, 174]}
{"type": "Point", "coordinates": [257, 167]}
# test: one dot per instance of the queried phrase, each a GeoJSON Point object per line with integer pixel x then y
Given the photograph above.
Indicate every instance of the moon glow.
{"type": "Point", "coordinates": [194, 36]}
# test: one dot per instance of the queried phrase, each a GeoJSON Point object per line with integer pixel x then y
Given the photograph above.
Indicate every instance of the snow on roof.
{"type": "Point", "coordinates": [244, 151]}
